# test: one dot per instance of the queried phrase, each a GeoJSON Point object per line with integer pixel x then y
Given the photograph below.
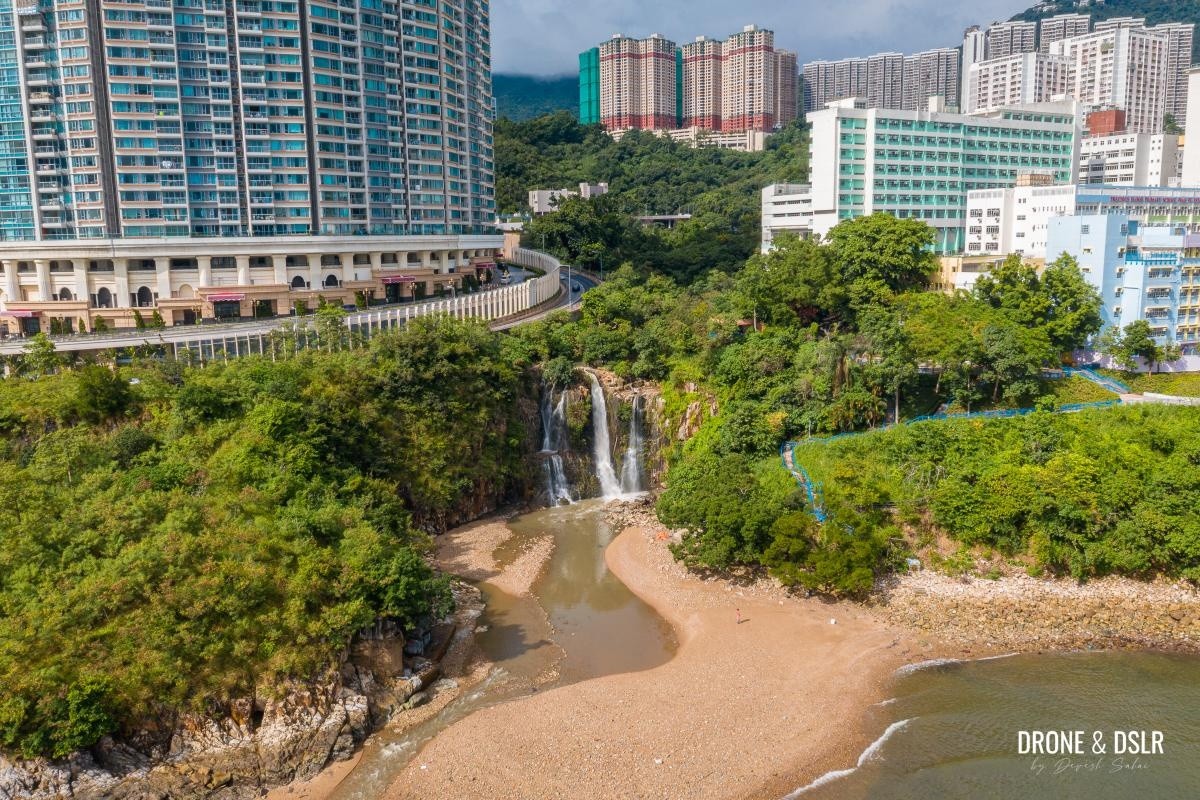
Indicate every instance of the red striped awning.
{"type": "Point", "coordinates": [225, 298]}
{"type": "Point", "coordinates": [20, 313]}
{"type": "Point", "coordinates": [399, 279]}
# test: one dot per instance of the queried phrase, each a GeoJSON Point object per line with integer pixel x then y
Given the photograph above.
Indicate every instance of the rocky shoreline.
{"type": "Point", "coordinates": [257, 742]}
{"type": "Point", "coordinates": [1012, 613]}
{"type": "Point", "coordinates": [1023, 614]}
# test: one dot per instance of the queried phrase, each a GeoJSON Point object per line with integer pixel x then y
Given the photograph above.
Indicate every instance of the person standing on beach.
{"type": "Point", "coordinates": [738, 611]}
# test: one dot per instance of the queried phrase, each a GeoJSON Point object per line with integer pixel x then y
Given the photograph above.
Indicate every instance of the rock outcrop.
{"type": "Point", "coordinates": [252, 744]}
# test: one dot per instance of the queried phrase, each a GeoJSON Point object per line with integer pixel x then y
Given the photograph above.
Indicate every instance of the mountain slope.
{"type": "Point", "coordinates": [1155, 11]}
{"type": "Point", "coordinates": [522, 97]}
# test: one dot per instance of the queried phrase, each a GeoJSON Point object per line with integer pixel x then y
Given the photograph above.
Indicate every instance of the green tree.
{"type": "Point", "coordinates": [879, 248]}
{"type": "Point", "coordinates": [41, 356]}
{"type": "Point", "coordinates": [101, 394]}
{"type": "Point", "coordinates": [1060, 300]}
{"type": "Point", "coordinates": [1134, 342]}
{"type": "Point", "coordinates": [792, 283]}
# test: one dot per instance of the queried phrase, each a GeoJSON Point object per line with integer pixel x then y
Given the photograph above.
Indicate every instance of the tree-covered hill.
{"type": "Point", "coordinates": [646, 174]}
{"type": "Point", "coordinates": [198, 535]}
{"type": "Point", "coordinates": [814, 339]}
{"type": "Point", "coordinates": [1154, 11]}
{"type": "Point", "coordinates": [522, 97]}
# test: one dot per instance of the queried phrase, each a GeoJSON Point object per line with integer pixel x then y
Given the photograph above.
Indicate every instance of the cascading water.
{"type": "Point", "coordinates": [554, 441]}
{"type": "Point", "coordinates": [610, 487]}
{"type": "Point", "coordinates": [631, 467]}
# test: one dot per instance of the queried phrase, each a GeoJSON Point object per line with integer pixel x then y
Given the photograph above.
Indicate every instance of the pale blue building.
{"type": "Point", "coordinates": [1142, 271]}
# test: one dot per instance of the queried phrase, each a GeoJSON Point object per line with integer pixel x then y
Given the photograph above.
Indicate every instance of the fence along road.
{"type": "Point", "coordinates": [254, 337]}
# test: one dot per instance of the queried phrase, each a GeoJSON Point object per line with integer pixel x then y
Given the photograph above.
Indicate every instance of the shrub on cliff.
{"type": "Point", "coordinates": [239, 531]}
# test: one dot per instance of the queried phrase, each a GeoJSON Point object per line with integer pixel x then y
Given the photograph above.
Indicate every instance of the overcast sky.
{"type": "Point", "coordinates": [544, 37]}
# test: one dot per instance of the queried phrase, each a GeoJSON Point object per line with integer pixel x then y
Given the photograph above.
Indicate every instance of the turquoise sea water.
{"type": "Point", "coordinates": [952, 731]}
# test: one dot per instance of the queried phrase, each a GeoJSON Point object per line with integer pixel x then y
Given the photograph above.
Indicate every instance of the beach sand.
{"type": "Point", "coordinates": [743, 711]}
{"type": "Point", "coordinates": [467, 552]}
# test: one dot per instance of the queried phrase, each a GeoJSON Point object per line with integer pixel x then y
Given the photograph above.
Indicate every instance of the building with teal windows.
{"type": "Point", "coordinates": [16, 191]}
{"type": "Point", "coordinates": [921, 164]}
{"type": "Point", "coordinates": [589, 86]}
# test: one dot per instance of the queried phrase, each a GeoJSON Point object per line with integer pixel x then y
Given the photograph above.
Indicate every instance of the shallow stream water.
{"type": "Point", "coordinates": [580, 622]}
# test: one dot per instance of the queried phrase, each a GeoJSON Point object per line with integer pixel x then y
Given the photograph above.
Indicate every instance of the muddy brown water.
{"type": "Point", "coordinates": [579, 622]}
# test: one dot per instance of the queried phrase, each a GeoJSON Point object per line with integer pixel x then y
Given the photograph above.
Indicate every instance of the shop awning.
{"type": "Point", "coordinates": [20, 313]}
{"type": "Point", "coordinates": [484, 265]}
{"type": "Point", "coordinates": [226, 298]}
{"type": "Point", "coordinates": [399, 279]}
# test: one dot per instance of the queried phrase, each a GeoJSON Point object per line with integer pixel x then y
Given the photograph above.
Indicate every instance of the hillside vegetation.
{"type": "Point", "coordinates": [1087, 494]}
{"type": "Point", "coordinates": [523, 97]}
{"type": "Point", "coordinates": [205, 534]}
{"type": "Point", "coordinates": [816, 339]}
{"type": "Point", "coordinates": [646, 174]}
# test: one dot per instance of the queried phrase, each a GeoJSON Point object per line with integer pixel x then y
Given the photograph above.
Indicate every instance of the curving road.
{"type": "Point", "coordinates": [562, 302]}
{"type": "Point", "coordinates": [183, 336]}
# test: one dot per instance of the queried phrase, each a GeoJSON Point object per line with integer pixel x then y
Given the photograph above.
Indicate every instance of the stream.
{"type": "Point", "coordinates": [579, 622]}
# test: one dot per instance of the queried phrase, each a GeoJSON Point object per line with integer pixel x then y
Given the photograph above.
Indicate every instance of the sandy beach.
{"type": "Point", "coordinates": [743, 711]}
{"type": "Point", "coordinates": [467, 552]}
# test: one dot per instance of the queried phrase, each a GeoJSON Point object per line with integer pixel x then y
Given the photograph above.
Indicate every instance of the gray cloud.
{"type": "Point", "coordinates": [544, 37]}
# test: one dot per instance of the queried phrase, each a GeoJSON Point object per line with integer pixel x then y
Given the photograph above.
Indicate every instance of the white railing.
{"type": "Point", "coordinates": [240, 338]}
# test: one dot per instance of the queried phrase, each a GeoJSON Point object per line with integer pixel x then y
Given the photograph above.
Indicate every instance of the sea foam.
{"type": "Point", "coordinates": [871, 751]}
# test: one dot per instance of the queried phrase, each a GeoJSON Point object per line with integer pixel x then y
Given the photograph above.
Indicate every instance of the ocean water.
{"type": "Point", "coordinates": [953, 730]}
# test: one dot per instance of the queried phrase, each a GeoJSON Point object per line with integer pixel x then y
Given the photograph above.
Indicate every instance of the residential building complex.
{"type": "Point", "coordinates": [933, 73]}
{"type": "Point", "coordinates": [734, 85]}
{"type": "Point", "coordinates": [1016, 219]}
{"type": "Point", "coordinates": [1006, 38]}
{"type": "Point", "coordinates": [1129, 159]}
{"type": "Point", "coordinates": [1190, 166]}
{"type": "Point", "coordinates": [884, 80]}
{"type": "Point", "coordinates": [1063, 26]}
{"type": "Point", "coordinates": [1179, 61]}
{"type": "Point", "coordinates": [922, 164]}
{"type": "Point", "coordinates": [1143, 271]}
{"type": "Point", "coordinates": [702, 87]}
{"type": "Point", "coordinates": [974, 50]}
{"type": "Point", "coordinates": [786, 208]}
{"type": "Point", "coordinates": [257, 119]}
{"type": "Point", "coordinates": [743, 141]}
{"type": "Point", "coordinates": [1123, 68]}
{"type": "Point", "coordinates": [1021, 78]}
{"type": "Point", "coordinates": [637, 86]}
{"type": "Point", "coordinates": [135, 131]}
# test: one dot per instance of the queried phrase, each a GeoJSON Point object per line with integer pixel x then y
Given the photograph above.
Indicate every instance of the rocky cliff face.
{"type": "Point", "coordinates": [253, 744]}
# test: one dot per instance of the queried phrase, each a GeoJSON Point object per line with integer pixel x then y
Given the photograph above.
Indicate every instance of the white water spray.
{"type": "Point", "coordinates": [610, 487]}
{"type": "Point", "coordinates": [631, 467]}
{"type": "Point", "coordinates": [554, 441]}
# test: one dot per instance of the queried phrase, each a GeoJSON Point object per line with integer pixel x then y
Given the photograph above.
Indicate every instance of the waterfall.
{"type": "Point", "coordinates": [631, 472]}
{"type": "Point", "coordinates": [610, 487]}
{"type": "Point", "coordinates": [554, 441]}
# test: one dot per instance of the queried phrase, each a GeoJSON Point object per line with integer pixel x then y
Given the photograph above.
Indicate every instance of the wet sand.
{"type": "Point", "coordinates": [468, 552]}
{"type": "Point", "coordinates": [743, 710]}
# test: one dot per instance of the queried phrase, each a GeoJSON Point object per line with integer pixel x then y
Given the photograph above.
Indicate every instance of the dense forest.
{"type": "Point", "coordinates": [524, 97]}
{"type": "Point", "coordinates": [646, 175]}
{"type": "Point", "coordinates": [171, 536]}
